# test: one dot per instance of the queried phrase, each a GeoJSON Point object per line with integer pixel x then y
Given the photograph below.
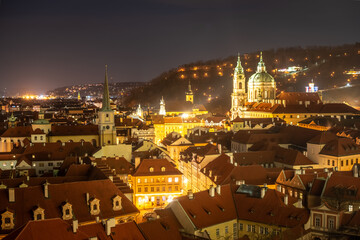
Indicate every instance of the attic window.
{"type": "Point", "coordinates": [39, 213]}
{"type": "Point", "coordinates": [192, 214]}
{"type": "Point", "coordinates": [163, 169]}
{"type": "Point", "coordinates": [7, 220]}
{"type": "Point", "coordinates": [207, 211]}
{"type": "Point", "coordinates": [67, 211]}
{"type": "Point", "coordinates": [95, 206]}
{"type": "Point", "coordinates": [251, 210]}
{"type": "Point", "coordinates": [151, 169]}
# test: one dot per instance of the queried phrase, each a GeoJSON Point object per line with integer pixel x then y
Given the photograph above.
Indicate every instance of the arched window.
{"type": "Point", "coordinates": [163, 169]}
{"type": "Point", "coordinates": [240, 85]}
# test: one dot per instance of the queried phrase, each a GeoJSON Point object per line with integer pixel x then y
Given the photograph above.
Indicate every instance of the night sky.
{"type": "Point", "coordinates": [51, 43]}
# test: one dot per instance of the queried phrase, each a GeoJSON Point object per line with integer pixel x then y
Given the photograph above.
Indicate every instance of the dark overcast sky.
{"type": "Point", "coordinates": [51, 43]}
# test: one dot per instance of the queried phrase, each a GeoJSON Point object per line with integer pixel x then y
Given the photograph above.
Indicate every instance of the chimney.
{"type": "Point", "coordinates": [219, 148]}
{"type": "Point", "coordinates": [97, 219]}
{"type": "Point", "coordinates": [263, 191]}
{"type": "Point", "coordinates": [235, 164]}
{"type": "Point", "coordinates": [212, 191]}
{"type": "Point", "coordinates": [11, 195]}
{"type": "Point", "coordinates": [75, 225]}
{"type": "Point", "coordinates": [232, 159]}
{"type": "Point", "coordinates": [190, 194]}
{"type": "Point", "coordinates": [218, 189]}
{"type": "Point", "coordinates": [278, 188]}
{"type": "Point", "coordinates": [87, 197]}
{"type": "Point", "coordinates": [356, 171]}
{"type": "Point", "coordinates": [137, 161]}
{"type": "Point", "coordinates": [286, 199]}
{"type": "Point", "coordinates": [108, 225]}
{"type": "Point", "coordinates": [46, 189]}
{"type": "Point", "coordinates": [111, 178]}
{"type": "Point", "coordinates": [27, 178]}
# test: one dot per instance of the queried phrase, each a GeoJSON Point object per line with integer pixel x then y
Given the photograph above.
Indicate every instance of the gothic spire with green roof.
{"type": "Point", "coordinates": [106, 95]}
{"type": "Point", "coordinates": [239, 68]}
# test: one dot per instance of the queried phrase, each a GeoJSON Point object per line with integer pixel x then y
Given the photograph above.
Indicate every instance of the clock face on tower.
{"type": "Point", "coordinates": [108, 127]}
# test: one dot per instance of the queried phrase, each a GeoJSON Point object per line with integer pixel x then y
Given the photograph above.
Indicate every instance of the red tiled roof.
{"type": "Point", "coordinates": [76, 130]}
{"type": "Point", "coordinates": [270, 210]}
{"type": "Point", "coordinates": [323, 138]}
{"type": "Point", "coordinates": [340, 147]}
{"type": "Point", "coordinates": [204, 210]}
{"type": "Point", "coordinates": [144, 168]}
{"type": "Point", "coordinates": [74, 193]}
{"type": "Point", "coordinates": [19, 131]}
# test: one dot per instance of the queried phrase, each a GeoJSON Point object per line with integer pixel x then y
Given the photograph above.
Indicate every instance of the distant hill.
{"type": "Point", "coordinates": [325, 65]}
{"type": "Point", "coordinates": [96, 90]}
{"type": "Point", "coordinates": [212, 79]}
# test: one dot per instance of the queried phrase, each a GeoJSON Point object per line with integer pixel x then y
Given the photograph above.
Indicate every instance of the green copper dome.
{"type": "Point", "coordinates": [261, 75]}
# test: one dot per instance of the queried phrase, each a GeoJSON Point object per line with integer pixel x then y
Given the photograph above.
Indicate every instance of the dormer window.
{"type": "Point", "coordinates": [39, 213]}
{"type": "Point", "coordinates": [151, 169]}
{"type": "Point", "coordinates": [95, 206]}
{"type": "Point", "coordinates": [117, 203]}
{"type": "Point", "coordinates": [67, 211]}
{"type": "Point", "coordinates": [7, 220]}
{"type": "Point", "coordinates": [163, 169]}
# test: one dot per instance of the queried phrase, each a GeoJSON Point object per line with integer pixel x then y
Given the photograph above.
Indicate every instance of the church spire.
{"type": "Point", "coordinates": [239, 68]}
{"type": "Point", "coordinates": [189, 87]}
{"type": "Point", "coordinates": [106, 96]}
{"type": "Point", "coordinates": [261, 65]}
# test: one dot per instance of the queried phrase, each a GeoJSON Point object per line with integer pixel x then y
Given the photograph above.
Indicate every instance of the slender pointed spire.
{"type": "Point", "coordinates": [261, 65]}
{"type": "Point", "coordinates": [189, 87]}
{"type": "Point", "coordinates": [239, 68]}
{"type": "Point", "coordinates": [106, 95]}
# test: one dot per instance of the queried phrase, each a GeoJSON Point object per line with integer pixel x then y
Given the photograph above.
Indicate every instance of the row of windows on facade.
{"type": "Point", "coordinates": [291, 192]}
{"type": "Point", "coordinates": [36, 138]}
{"type": "Point", "coordinates": [158, 180]}
{"type": "Point", "coordinates": [331, 221]}
{"type": "Point", "coordinates": [342, 162]}
{"type": "Point", "coordinates": [252, 228]}
{"type": "Point", "coordinates": [50, 164]}
{"type": "Point", "coordinates": [163, 189]}
{"type": "Point", "coordinates": [7, 218]}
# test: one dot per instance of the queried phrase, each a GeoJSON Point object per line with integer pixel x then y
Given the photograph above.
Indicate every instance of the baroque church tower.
{"type": "Point", "coordinates": [189, 94]}
{"type": "Point", "coordinates": [238, 97]}
{"type": "Point", "coordinates": [162, 110]}
{"type": "Point", "coordinates": [107, 130]}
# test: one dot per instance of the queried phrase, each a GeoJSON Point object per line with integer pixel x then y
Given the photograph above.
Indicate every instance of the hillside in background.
{"type": "Point", "coordinates": [212, 80]}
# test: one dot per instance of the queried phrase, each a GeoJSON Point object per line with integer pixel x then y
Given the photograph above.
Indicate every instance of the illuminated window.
{"type": "Point", "coordinates": [176, 179]}
{"type": "Point", "coordinates": [169, 180]}
{"type": "Point", "coordinates": [163, 169]}
{"type": "Point", "coordinates": [145, 180]}
{"type": "Point", "coordinates": [152, 189]}
{"type": "Point", "coordinates": [139, 180]}
{"type": "Point", "coordinates": [151, 169]}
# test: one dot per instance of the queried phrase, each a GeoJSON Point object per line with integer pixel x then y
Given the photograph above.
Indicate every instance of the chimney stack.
{"type": "Point", "coordinates": [75, 225]}
{"type": "Point", "coordinates": [278, 188]}
{"type": "Point", "coordinates": [87, 198]}
{"type": "Point", "coordinates": [263, 191]}
{"type": "Point", "coordinates": [212, 191]}
{"type": "Point", "coordinates": [46, 189]}
{"type": "Point", "coordinates": [286, 199]}
{"type": "Point", "coordinates": [218, 189]}
{"type": "Point", "coordinates": [190, 194]}
{"type": "Point", "coordinates": [11, 195]}
{"type": "Point", "coordinates": [108, 225]}
{"type": "Point", "coordinates": [356, 171]}
{"type": "Point", "coordinates": [219, 148]}
{"type": "Point", "coordinates": [137, 161]}
{"type": "Point", "coordinates": [232, 159]}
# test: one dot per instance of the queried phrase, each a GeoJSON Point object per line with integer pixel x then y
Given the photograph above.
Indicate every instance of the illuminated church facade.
{"type": "Point", "coordinates": [261, 87]}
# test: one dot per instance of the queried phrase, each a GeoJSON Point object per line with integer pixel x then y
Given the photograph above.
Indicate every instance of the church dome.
{"type": "Point", "coordinates": [261, 77]}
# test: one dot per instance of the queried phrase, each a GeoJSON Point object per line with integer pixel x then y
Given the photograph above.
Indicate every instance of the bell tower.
{"type": "Point", "coordinates": [238, 97]}
{"type": "Point", "coordinates": [106, 117]}
{"type": "Point", "coordinates": [189, 94]}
